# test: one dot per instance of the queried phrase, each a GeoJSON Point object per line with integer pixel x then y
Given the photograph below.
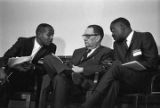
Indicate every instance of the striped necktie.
{"type": "Point", "coordinates": [85, 54]}
{"type": "Point", "coordinates": [125, 44]}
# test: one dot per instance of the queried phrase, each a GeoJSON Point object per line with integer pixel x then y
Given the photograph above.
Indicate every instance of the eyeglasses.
{"type": "Point", "coordinates": [89, 35]}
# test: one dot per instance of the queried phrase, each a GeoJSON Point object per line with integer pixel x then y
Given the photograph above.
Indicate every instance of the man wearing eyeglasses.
{"type": "Point", "coordinates": [85, 62]}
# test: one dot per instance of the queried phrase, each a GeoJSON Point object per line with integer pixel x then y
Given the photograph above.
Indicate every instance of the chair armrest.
{"type": "Point", "coordinates": [96, 78]}
{"type": "Point", "coordinates": [153, 83]}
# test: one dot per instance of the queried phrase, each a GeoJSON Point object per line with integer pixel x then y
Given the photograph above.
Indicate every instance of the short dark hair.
{"type": "Point", "coordinates": [97, 30]}
{"type": "Point", "coordinates": [122, 20]}
{"type": "Point", "coordinates": [42, 27]}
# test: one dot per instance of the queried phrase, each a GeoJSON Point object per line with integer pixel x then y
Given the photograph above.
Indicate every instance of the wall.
{"type": "Point", "coordinates": [71, 17]}
{"type": "Point", "coordinates": [1, 30]}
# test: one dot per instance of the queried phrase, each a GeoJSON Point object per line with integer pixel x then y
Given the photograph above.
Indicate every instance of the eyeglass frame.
{"type": "Point", "coordinates": [89, 35]}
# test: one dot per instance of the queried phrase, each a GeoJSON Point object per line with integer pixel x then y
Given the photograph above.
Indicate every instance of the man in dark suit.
{"type": "Point", "coordinates": [85, 62]}
{"type": "Point", "coordinates": [23, 75]}
{"type": "Point", "coordinates": [129, 45]}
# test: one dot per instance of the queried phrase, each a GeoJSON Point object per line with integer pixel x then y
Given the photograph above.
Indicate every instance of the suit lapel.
{"type": "Point", "coordinates": [81, 55]}
{"type": "Point", "coordinates": [94, 53]}
{"type": "Point", "coordinates": [131, 44]}
{"type": "Point", "coordinates": [40, 53]}
{"type": "Point", "coordinates": [29, 46]}
{"type": "Point", "coordinates": [133, 39]}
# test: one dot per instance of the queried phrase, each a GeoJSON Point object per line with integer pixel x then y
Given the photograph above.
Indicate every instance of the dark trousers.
{"type": "Point", "coordinates": [110, 84]}
{"type": "Point", "coordinates": [47, 79]}
{"type": "Point", "coordinates": [60, 90]}
{"type": "Point", "coordinates": [66, 91]}
{"type": "Point", "coordinates": [4, 96]}
{"type": "Point", "coordinates": [59, 84]}
{"type": "Point", "coordinates": [44, 91]}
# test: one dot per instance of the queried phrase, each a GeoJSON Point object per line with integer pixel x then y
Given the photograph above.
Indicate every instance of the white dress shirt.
{"type": "Point", "coordinates": [129, 38]}
{"type": "Point", "coordinates": [36, 48]}
{"type": "Point", "coordinates": [92, 50]}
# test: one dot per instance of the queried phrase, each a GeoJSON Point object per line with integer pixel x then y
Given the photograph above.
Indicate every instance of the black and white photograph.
{"type": "Point", "coordinates": [79, 53]}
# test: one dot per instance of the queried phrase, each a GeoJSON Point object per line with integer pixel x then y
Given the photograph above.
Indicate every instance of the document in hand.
{"type": "Point", "coordinates": [57, 63]}
{"type": "Point", "coordinates": [18, 60]}
{"type": "Point", "coordinates": [134, 65]}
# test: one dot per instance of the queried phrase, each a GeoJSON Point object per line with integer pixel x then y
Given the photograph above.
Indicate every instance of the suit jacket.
{"type": "Point", "coordinates": [142, 48]}
{"type": "Point", "coordinates": [98, 61]}
{"type": "Point", "coordinates": [94, 62]}
{"type": "Point", "coordinates": [24, 47]}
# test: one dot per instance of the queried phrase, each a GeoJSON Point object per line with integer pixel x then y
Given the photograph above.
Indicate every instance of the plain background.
{"type": "Point", "coordinates": [71, 17]}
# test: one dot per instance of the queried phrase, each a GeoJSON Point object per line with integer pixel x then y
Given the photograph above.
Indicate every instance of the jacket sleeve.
{"type": "Point", "coordinates": [103, 65]}
{"type": "Point", "coordinates": [149, 52]}
{"type": "Point", "coordinates": [11, 52]}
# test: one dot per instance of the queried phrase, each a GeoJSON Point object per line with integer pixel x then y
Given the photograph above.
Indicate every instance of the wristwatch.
{"type": "Point", "coordinates": [3, 67]}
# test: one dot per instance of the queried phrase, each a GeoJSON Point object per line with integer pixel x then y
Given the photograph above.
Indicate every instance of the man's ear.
{"type": "Point", "coordinates": [98, 38]}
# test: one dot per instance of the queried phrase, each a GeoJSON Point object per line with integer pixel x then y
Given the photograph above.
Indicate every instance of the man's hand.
{"type": "Point", "coordinates": [77, 69]}
{"type": "Point", "coordinates": [3, 76]}
{"type": "Point", "coordinates": [41, 61]}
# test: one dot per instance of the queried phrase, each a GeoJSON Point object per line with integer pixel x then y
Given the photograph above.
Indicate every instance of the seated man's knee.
{"type": "Point", "coordinates": [59, 78]}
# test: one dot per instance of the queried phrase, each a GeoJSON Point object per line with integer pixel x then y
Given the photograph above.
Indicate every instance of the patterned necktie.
{"type": "Point", "coordinates": [85, 54]}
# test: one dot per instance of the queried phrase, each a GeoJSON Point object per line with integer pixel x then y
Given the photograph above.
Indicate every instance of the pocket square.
{"type": "Point", "coordinates": [137, 52]}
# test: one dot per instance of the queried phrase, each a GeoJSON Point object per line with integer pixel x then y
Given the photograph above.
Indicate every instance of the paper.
{"type": "Point", "coordinates": [18, 60]}
{"type": "Point", "coordinates": [57, 58]}
{"type": "Point", "coordinates": [55, 63]}
{"type": "Point", "coordinates": [134, 65]}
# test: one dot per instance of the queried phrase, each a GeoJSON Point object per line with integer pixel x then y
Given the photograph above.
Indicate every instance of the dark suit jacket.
{"type": "Point", "coordinates": [24, 47]}
{"type": "Point", "coordinates": [93, 63]}
{"type": "Point", "coordinates": [96, 62]}
{"type": "Point", "coordinates": [142, 48]}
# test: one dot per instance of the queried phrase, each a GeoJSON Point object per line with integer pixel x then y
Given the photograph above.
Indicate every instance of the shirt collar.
{"type": "Point", "coordinates": [36, 43]}
{"type": "Point", "coordinates": [92, 50]}
{"type": "Point", "coordinates": [129, 38]}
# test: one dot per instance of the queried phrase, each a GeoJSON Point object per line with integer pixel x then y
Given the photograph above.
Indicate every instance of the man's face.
{"type": "Point", "coordinates": [90, 38]}
{"type": "Point", "coordinates": [46, 37]}
{"type": "Point", "coordinates": [117, 32]}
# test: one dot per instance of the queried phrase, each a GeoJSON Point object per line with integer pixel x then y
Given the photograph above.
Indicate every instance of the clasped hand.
{"type": "Point", "coordinates": [77, 69]}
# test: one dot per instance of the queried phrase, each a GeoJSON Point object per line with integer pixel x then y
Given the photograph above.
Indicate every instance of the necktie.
{"type": "Point", "coordinates": [125, 47]}
{"type": "Point", "coordinates": [125, 44]}
{"type": "Point", "coordinates": [85, 54]}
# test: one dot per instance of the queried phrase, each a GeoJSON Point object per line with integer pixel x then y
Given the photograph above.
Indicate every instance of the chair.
{"type": "Point", "coordinates": [138, 98]}
{"type": "Point", "coordinates": [30, 95]}
{"type": "Point", "coordinates": [146, 97]}
{"type": "Point", "coordinates": [27, 96]}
